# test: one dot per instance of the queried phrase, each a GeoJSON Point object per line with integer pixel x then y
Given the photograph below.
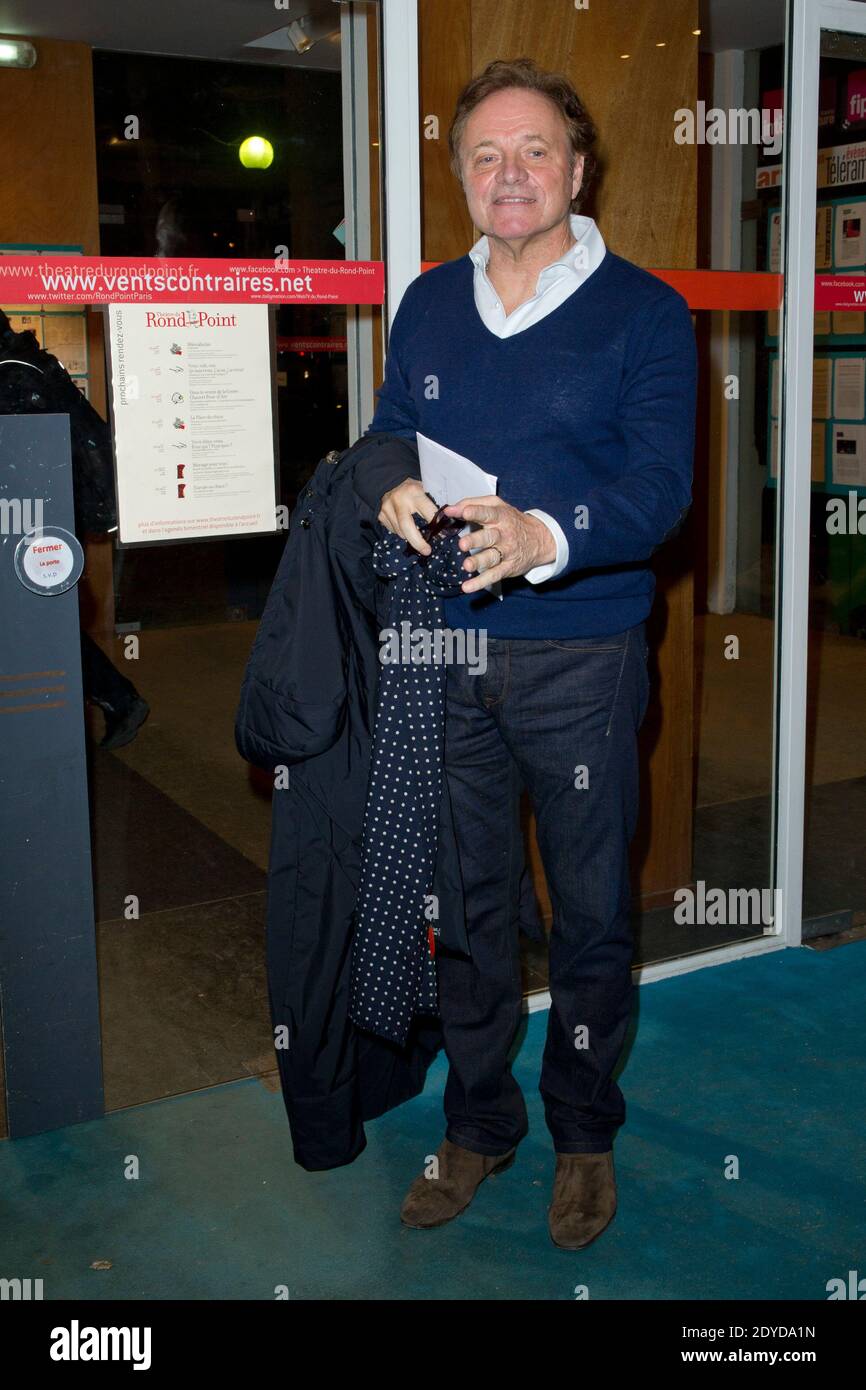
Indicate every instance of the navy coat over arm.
{"type": "Point", "coordinates": [307, 704]}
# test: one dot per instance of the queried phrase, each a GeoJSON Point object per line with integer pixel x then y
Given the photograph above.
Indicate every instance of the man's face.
{"type": "Point", "coordinates": [517, 165]}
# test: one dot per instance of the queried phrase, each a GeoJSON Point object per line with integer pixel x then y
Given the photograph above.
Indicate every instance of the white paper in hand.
{"type": "Point", "coordinates": [449, 477]}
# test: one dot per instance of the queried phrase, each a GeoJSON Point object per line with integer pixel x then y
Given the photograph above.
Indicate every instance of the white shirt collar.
{"type": "Point", "coordinates": [556, 282]}
{"type": "Point", "coordinates": [582, 258]}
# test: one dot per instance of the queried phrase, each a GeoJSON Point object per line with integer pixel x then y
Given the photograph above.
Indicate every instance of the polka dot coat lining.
{"type": "Point", "coordinates": [393, 971]}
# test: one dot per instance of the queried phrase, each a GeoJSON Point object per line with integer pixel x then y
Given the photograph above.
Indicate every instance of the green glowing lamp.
{"type": "Point", "coordinates": [256, 152]}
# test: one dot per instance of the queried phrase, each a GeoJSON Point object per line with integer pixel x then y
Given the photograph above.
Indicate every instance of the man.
{"type": "Point", "coordinates": [569, 374]}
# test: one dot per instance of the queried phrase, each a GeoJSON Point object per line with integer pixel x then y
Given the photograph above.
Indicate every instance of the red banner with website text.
{"type": "Point", "coordinates": [173, 280]}
{"type": "Point", "coordinates": [97, 280]}
{"type": "Point", "coordinates": [840, 292]}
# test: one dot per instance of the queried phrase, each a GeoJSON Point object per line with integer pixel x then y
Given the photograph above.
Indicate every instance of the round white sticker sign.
{"type": "Point", "coordinates": [50, 562]}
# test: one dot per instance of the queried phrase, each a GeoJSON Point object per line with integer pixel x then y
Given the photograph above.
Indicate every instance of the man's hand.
{"type": "Point", "coordinates": [521, 540]}
{"type": "Point", "coordinates": [399, 503]}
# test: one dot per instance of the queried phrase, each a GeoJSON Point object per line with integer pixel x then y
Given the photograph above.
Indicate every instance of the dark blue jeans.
{"type": "Point", "coordinates": [560, 717]}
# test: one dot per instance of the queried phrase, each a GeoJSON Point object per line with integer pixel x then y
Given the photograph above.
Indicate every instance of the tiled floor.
{"type": "Point", "coordinates": [760, 1061]}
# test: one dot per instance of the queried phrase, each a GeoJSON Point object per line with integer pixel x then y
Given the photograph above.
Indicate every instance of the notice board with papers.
{"type": "Point", "coordinates": [193, 415]}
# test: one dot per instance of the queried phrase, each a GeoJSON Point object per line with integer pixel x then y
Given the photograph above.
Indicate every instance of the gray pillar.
{"type": "Point", "coordinates": [48, 979]}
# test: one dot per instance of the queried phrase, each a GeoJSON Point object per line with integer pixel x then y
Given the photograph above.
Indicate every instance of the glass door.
{"type": "Point", "coordinates": [828, 618]}
{"type": "Point", "coordinates": [251, 141]}
{"type": "Point", "coordinates": [710, 84]}
{"type": "Point", "coordinates": [181, 825]}
{"type": "Point", "coordinates": [739, 753]}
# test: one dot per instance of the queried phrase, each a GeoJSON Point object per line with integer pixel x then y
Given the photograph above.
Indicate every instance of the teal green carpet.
{"type": "Point", "coordinates": [761, 1060]}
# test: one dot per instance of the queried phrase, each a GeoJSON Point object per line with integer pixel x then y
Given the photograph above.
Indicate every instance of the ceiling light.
{"type": "Point", "coordinates": [17, 53]}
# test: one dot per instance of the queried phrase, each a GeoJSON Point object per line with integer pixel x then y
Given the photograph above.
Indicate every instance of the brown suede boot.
{"type": "Point", "coordinates": [433, 1201]}
{"type": "Point", "coordinates": [584, 1199]}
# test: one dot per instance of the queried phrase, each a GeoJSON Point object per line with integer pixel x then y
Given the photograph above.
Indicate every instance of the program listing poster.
{"type": "Point", "coordinates": [193, 421]}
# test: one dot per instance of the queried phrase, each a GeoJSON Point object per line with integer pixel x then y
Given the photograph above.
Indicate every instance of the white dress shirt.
{"type": "Point", "coordinates": [555, 283]}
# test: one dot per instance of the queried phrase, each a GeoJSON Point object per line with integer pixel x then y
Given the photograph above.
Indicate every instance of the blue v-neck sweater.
{"type": "Point", "coordinates": [588, 414]}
